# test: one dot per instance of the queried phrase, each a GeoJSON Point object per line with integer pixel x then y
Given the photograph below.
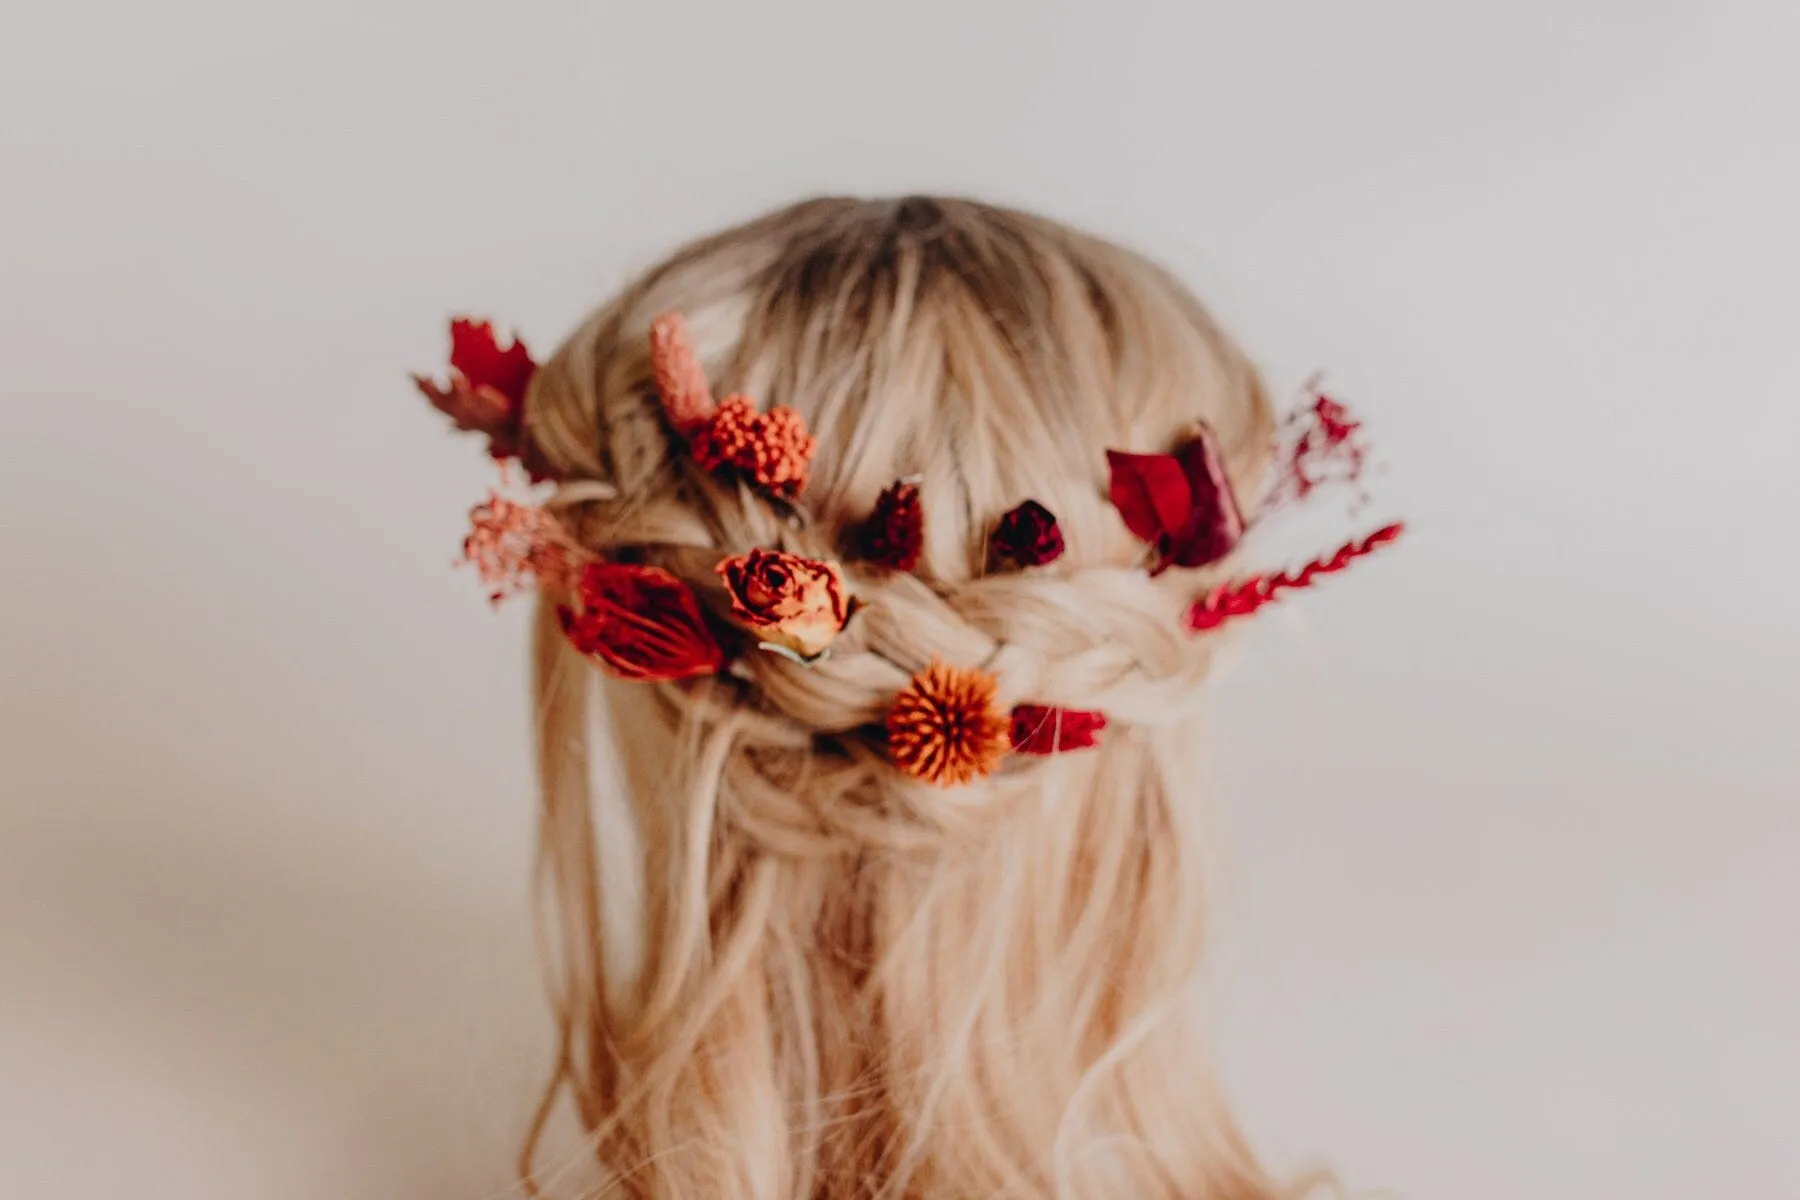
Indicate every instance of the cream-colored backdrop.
{"type": "Point", "coordinates": [1512, 900]}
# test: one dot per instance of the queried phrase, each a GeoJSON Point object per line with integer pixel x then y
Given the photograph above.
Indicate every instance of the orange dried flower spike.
{"type": "Point", "coordinates": [945, 726]}
{"type": "Point", "coordinates": [680, 379]}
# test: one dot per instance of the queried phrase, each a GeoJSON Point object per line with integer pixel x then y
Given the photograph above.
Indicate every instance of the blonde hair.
{"type": "Point", "coordinates": [848, 983]}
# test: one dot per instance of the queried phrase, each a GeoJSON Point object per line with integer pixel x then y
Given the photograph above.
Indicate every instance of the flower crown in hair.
{"type": "Point", "coordinates": [946, 726]}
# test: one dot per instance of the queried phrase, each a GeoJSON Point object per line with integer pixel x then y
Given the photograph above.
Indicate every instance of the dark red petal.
{"type": "Point", "coordinates": [1040, 729]}
{"type": "Point", "coordinates": [1215, 523]}
{"type": "Point", "coordinates": [1151, 493]}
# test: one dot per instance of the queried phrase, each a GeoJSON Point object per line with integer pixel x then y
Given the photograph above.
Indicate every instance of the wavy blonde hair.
{"type": "Point", "coordinates": [799, 975]}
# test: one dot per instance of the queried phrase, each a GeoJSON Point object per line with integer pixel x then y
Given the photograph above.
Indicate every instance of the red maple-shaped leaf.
{"type": "Point", "coordinates": [642, 622]}
{"type": "Point", "coordinates": [1040, 729]}
{"type": "Point", "coordinates": [1181, 503]}
{"type": "Point", "coordinates": [476, 352]}
{"type": "Point", "coordinates": [485, 392]}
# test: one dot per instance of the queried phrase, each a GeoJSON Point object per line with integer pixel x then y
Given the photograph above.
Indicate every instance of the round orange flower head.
{"type": "Point", "coordinates": [771, 449]}
{"type": "Point", "coordinates": [788, 602]}
{"type": "Point", "coordinates": [945, 726]}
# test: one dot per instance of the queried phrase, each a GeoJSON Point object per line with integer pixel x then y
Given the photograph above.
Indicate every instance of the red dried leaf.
{"type": "Point", "coordinates": [476, 352]}
{"type": "Point", "coordinates": [1029, 535]}
{"type": "Point", "coordinates": [641, 622]}
{"type": "Point", "coordinates": [1039, 729]}
{"type": "Point", "coordinates": [1181, 503]}
{"type": "Point", "coordinates": [485, 392]}
{"type": "Point", "coordinates": [893, 536]}
{"type": "Point", "coordinates": [1247, 596]}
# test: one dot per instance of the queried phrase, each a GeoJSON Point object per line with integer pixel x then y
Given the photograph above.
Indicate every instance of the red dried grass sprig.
{"type": "Point", "coordinates": [515, 546]}
{"type": "Point", "coordinates": [485, 392]}
{"type": "Point", "coordinates": [1247, 596]}
{"type": "Point", "coordinates": [893, 534]}
{"type": "Point", "coordinates": [945, 728]}
{"type": "Point", "coordinates": [1040, 729]}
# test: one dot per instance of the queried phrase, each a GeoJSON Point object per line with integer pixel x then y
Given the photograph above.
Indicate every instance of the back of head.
{"type": "Point", "coordinates": [813, 977]}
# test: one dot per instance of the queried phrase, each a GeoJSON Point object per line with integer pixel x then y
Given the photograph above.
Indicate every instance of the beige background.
{"type": "Point", "coordinates": [1512, 907]}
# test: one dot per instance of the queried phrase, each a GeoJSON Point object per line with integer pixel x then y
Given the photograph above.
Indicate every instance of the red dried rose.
{"type": "Point", "coordinates": [894, 533]}
{"type": "Point", "coordinates": [1181, 503]}
{"type": "Point", "coordinates": [1029, 535]}
{"type": "Point", "coordinates": [642, 622]}
{"type": "Point", "coordinates": [798, 604]}
{"type": "Point", "coordinates": [486, 389]}
{"type": "Point", "coordinates": [1039, 729]}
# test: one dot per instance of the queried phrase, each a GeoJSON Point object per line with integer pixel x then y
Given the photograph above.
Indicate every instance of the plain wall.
{"type": "Point", "coordinates": [1511, 817]}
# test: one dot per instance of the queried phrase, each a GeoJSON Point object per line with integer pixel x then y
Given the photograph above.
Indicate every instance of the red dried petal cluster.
{"type": "Point", "coordinates": [516, 546]}
{"type": "Point", "coordinates": [771, 449]}
{"type": "Point", "coordinates": [893, 536]}
{"type": "Point", "coordinates": [1247, 596]}
{"type": "Point", "coordinates": [1181, 503]}
{"type": "Point", "coordinates": [1029, 536]}
{"type": "Point", "coordinates": [485, 392]}
{"type": "Point", "coordinates": [944, 726]}
{"type": "Point", "coordinates": [642, 622]}
{"type": "Point", "coordinates": [1039, 729]}
{"type": "Point", "coordinates": [1321, 443]}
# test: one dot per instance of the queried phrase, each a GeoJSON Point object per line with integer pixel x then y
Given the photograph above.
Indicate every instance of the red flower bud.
{"type": "Point", "coordinates": [1029, 535]}
{"type": "Point", "coordinates": [642, 622]}
{"type": "Point", "coordinates": [894, 533]}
